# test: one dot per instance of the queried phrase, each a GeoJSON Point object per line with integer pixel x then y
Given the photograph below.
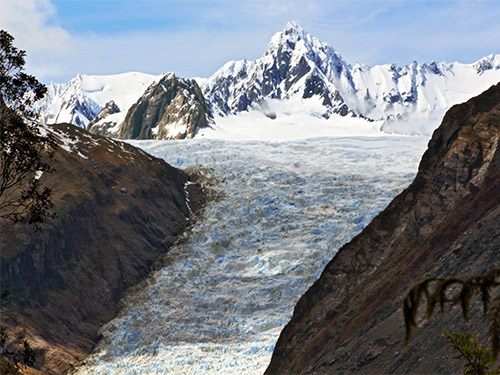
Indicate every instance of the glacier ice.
{"type": "Point", "coordinates": [220, 297]}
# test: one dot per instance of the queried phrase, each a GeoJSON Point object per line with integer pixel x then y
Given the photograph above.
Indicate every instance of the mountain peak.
{"type": "Point", "coordinates": [293, 26]}
{"type": "Point", "coordinates": [295, 64]}
{"type": "Point", "coordinates": [289, 36]}
{"type": "Point", "coordinates": [172, 108]}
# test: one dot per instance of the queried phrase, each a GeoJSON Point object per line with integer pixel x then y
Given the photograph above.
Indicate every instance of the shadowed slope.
{"type": "Point", "coordinates": [118, 209]}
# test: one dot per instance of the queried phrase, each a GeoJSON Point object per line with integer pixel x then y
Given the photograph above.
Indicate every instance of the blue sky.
{"type": "Point", "coordinates": [195, 37]}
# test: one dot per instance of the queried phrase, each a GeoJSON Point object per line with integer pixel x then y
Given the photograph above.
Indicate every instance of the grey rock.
{"type": "Point", "coordinates": [173, 108]}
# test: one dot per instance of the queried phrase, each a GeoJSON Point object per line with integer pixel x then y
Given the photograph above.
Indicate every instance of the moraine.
{"type": "Point", "coordinates": [222, 295]}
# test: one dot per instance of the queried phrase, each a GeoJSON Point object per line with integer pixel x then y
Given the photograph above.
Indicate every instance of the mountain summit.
{"type": "Point", "coordinates": [173, 108]}
{"type": "Point", "coordinates": [295, 65]}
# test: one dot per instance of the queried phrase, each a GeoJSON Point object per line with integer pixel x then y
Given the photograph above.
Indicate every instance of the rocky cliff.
{"type": "Point", "coordinates": [100, 125]}
{"type": "Point", "coordinates": [446, 223]}
{"type": "Point", "coordinates": [118, 209]}
{"type": "Point", "coordinates": [173, 108]}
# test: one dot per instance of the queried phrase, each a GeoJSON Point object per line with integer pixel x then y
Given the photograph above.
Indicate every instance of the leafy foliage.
{"type": "Point", "coordinates": [19, 91]}
{"type": "Point", "coordinates": [479, 359]}
{"type": "Point", "coordinates": [442, 291]}
{"type": "Point", "coordinates": [24, 152]}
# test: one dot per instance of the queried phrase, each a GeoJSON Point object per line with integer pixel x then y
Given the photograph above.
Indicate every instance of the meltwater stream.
{"type": "Point", "coordinates": [222, 296]}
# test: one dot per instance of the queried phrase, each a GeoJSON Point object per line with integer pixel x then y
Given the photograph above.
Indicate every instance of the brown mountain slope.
{"type": "Point", "coordinates": [118, 209]}
{"type": "Point", "coordinates": [446, 223]}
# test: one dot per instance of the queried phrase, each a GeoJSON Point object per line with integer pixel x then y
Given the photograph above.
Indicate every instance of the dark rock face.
{"type": "Point", "coordinates": [482, 65]}
{"type": "Point", "coordinates": [446, 223]}
{"type": "Point", "coordinates": [104, 127]}
{"type": "Point", "coordinates": [118, 209]}
{"type": "Point", "coordinates": [173, 108]}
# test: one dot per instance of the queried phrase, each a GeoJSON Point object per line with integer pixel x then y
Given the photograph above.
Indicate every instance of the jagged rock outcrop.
{"type": "Point", "coordinates": [446, 223]}
{"type": "Point", "coordinates": [98, 125]}
{"type": "Point", "coordinates": [118, 209]}
{"type": "Point", "coordinates": [173, 108]}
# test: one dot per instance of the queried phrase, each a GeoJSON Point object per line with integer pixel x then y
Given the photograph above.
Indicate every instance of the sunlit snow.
{"type": "Point", "coordinates": [219, 299]}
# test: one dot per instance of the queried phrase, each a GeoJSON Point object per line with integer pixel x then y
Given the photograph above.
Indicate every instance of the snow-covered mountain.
{"type": "Point", "coordinates": [81, 99]}
{"type": "Point", "coordinates": [295, 63]}
{"type": "Point", "coordinates": [298, 68]}
{"type": "Point", "coordinates": [297, 73]}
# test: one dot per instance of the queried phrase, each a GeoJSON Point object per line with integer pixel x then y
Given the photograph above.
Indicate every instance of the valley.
{"type": "Point", "coordinates": [220, 298]}
{"type": "Point", "coordinates": [266, 218]}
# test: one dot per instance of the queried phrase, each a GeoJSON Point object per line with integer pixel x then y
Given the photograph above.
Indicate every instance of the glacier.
{"type": "Point", "coordinates": [217, 301]}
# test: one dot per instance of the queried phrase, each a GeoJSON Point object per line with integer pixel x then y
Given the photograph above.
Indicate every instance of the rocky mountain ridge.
{"type": "Point", "coordinates": [173, 108]}
{"type": "Point", "coordinates": [295, 63]}
{"type": "Point", "coordinates": [298, 68]}
{"type": "Point", "coordinates": [117, 210]}
{"type": "Point", "coordinates": [101, 125]}
{"type": "Point", "coordinates": [444, 224]}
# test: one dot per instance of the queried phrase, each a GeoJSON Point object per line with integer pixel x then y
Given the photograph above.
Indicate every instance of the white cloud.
{"type": "Point", "coordinates": [55, 54]}
{"type": "Point", "coordinates": [32, 24]}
